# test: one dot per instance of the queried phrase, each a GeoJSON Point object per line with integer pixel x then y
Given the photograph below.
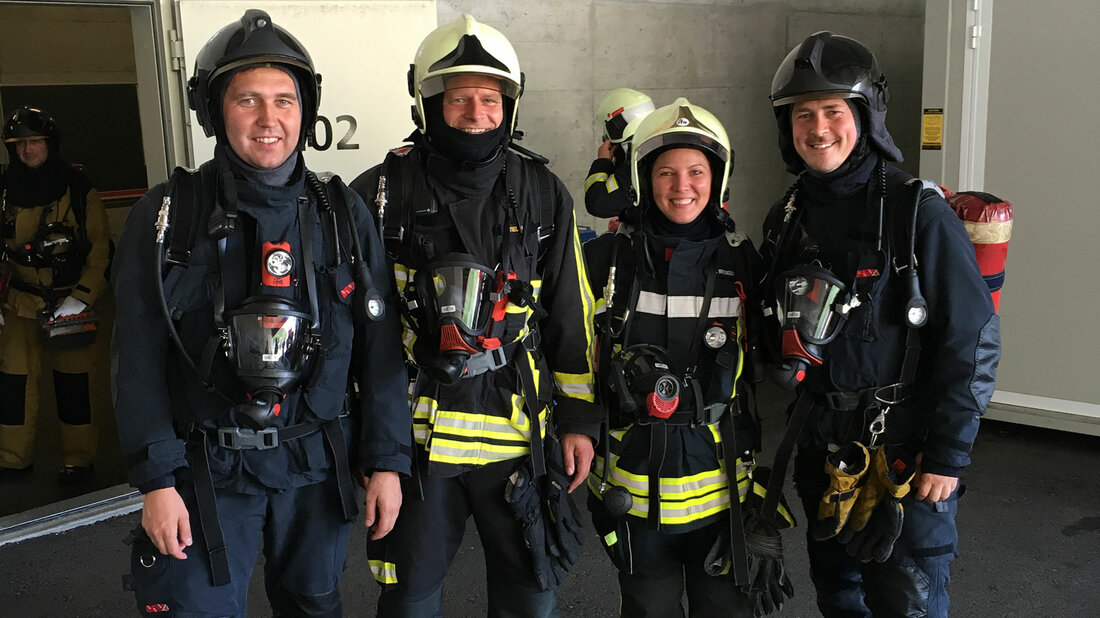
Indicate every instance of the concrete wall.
{"type": "Point", "coordinates": [721, 54]}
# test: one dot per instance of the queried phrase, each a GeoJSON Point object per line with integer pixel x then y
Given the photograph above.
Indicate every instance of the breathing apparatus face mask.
{"type": "Point", "coordinates": [455, 295]}
{"type": "Point", "coordinates": [643, 377]}
{"type": "Point", "coordinates": [269, 341]}
{"type": "Point", "coordinates": [813, 305]}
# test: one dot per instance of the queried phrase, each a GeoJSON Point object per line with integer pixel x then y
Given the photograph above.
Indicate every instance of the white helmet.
{"type": "Point", "coordinates": [618, 109]}
{"type": "Point", "coordinates": [686, 125]}
{"type": "Point", "coordinates": [463, 46]}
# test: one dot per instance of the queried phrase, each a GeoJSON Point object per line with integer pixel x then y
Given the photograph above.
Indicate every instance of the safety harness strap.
{"type": "Point", "coordinates": [534, 406]}
{"type": "Point", "coordinates": [802, 407]}
{"type": "Point", "coordinates": [658, 443]}
{"type": "Point", "coordinates": [206, 503]}
{"type": "Point", "coordinates": [334, 438]}
{"type": "Point", "coordinates": [739, 553]}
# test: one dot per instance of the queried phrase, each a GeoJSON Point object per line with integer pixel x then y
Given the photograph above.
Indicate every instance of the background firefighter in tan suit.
{"type": "Point", "coordinates": [56, 246]}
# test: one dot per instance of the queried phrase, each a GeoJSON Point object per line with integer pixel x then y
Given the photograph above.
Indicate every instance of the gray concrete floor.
{"type": "Point", "coordinates": [1029, 524]}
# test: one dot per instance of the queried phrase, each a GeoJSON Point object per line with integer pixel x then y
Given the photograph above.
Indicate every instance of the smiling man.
{"type": "Point", "coordinates": [895, 373]}
{"type": "Point", "coordinates": [486, 256]}
{"type": "Point", "coordinates": [232, 375]}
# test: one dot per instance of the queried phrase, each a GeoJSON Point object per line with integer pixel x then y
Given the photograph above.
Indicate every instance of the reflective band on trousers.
{"type": "Point", "coordinates": [384, 572]}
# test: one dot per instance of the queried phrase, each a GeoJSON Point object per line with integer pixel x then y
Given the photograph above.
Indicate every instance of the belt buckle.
{"type": "Point", "coordinates": [241, 438]}
{"type": "Point", "coordinates": [839, 401]}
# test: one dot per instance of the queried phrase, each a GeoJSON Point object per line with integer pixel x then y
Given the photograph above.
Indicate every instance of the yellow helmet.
{"type": "Point", "coordinates": [463, 46]}
{"type": "Point", "coordinates": [686, 125]}
{"type": "Point", "coordinates": [618, 109]}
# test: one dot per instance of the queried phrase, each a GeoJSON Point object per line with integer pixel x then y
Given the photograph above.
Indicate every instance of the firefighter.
{"type": "Point", "coordinates": [676, 478]}
{"type": "Point", "coordinates": [243, 288]}
{"type": "Point", "coordinates": [56, 246]}
{"type": "Point", "coordinates": [607, 188]}
{"type": "Point", "coordinates": [486, 256]}
{"type": "Point", "coordinates": [885, 329]}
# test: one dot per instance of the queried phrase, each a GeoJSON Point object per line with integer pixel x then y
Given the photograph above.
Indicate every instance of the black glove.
{"type": "Point", "coordinates": [563, 538]}
{"type": "Point", "coordinates": [876, 540]}
{"type": "Point", "coordinates": [769, 584]}
{"type": "Point", "coordinates": [522, 494]}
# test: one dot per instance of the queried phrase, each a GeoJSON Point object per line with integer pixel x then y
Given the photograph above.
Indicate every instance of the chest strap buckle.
{"type": "Point", "coordinates": [241, 438]}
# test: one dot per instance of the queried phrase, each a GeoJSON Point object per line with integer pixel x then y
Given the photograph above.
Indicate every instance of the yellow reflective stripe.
{"type": "Point", "coordinates": [612, 184]}
{"type": "Point", "coordinates": [384, 572]}
{"type": "Point", "coordinates": [402, 274]}
{"type": "Point", "coordinates": [452, 452]}
{"type": "Point", "coordinates": [601, 305]}
{"type": "Point", "coordinates": [610, 538]}
{"type": "Point", "coordinates": [443, 432]}
{"type": "Point", "coordinates": [473, 425]}
{"type": "Point", "coordinates": [588, 321]}
{"type": "Point", "coordinates": [576, 386]}
{"type": "Point", "coordinates": [683, 499]}
{"type": "Point", "coordinates": [594, 178]}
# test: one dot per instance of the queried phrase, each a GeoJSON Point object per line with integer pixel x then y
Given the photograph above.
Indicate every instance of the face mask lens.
{"type": "Point", "coordinates": [809, 300]}
{"type": "Point", "coordinates": [462, 295]}
{"type": "Point", "coordinates": [268, 339]}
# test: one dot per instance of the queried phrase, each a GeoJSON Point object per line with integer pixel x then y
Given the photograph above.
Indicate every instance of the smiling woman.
{"type": "Point", "coordinates": [263, 118]}
{"type": "Point", "coordinates": [681, 184]}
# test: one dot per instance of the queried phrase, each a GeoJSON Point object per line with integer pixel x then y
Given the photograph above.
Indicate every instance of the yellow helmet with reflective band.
{"type": "Point", "coordinates": [618, 109]}
{"type": "Point", "coordinates": [463, 46]}
{"type": "Point", "coordinates": [681, 125]}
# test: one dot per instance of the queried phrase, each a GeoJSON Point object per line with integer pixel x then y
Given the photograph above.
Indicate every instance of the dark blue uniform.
{"type": "Point", "coordinates": [288, 495]}
{"type": "Point", "coordinates": [959, 350]}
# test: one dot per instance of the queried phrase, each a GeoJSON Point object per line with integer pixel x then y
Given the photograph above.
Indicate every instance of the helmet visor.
{"type": "Point", "coordinates": [808, 298]}
{"type": "Point", "coordinates": [682, 138]}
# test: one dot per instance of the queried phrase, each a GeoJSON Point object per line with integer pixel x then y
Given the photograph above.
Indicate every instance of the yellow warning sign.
{"type": "Point", "coordinates": [931, 132]}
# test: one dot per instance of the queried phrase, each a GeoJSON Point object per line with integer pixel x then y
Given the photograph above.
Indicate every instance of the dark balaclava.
{"type": "Point", "coordinates": [275, 177]}
{"type": "Point", "coordinates": [460, 146]}
{"type": "Point", "coordinates": [45, 184]}
{"type": "Point", "coordinates": [704, 226]}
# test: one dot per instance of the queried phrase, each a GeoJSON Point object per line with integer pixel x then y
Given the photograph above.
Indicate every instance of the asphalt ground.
{"type": "Point", "coordinates": [1029, 526]}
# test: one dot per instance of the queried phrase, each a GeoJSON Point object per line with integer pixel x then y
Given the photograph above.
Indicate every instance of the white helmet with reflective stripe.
{"type": "Point", "coordinates": [681, 125]}
{"type": "Point", "coordinates": [463, 46]}
{"type": "Point", "coordinates": [618, 109]}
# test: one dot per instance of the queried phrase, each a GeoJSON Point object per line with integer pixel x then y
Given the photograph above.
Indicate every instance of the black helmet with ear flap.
{"type": "Point", "coordinates": [825, 66]}
{"type": "Point", "coordinates": [252, 40]}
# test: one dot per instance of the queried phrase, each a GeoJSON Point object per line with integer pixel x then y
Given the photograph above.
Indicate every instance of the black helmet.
{"type": "Point", "coordinates": [827, 65]}
{"type": "Point", "coordinates": [252, 40]}
{"type": "Point", "coordinates": [830, 64]}
{"type": "Point", "coordinates": [30, 123]}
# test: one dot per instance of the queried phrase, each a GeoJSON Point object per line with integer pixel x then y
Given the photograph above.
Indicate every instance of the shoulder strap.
{"type": "Point", "coordinates": [184, 190]}
{"type": "Point", "coordinates": [404, 199]}
{"type": "Point", "coordinates": [78, 202]}
{"type": "Point", "coordinates": [539, 183]}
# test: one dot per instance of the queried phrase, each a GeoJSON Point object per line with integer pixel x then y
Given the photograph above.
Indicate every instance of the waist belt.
{"type": "Point", "coordinates": [243, 438]}
{"type": "Point", "coordinates": [206, 499]}
{"type": "Point", "coordinates": [49, 294]}
{"type": "Point", "coordinates": [707, 416]}
{"type": "Point", "coordinates": [494, 358]}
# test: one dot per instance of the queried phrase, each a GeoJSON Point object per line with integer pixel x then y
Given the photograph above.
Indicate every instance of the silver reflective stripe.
{"type": "Point", "coordinates": [687, 306]}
